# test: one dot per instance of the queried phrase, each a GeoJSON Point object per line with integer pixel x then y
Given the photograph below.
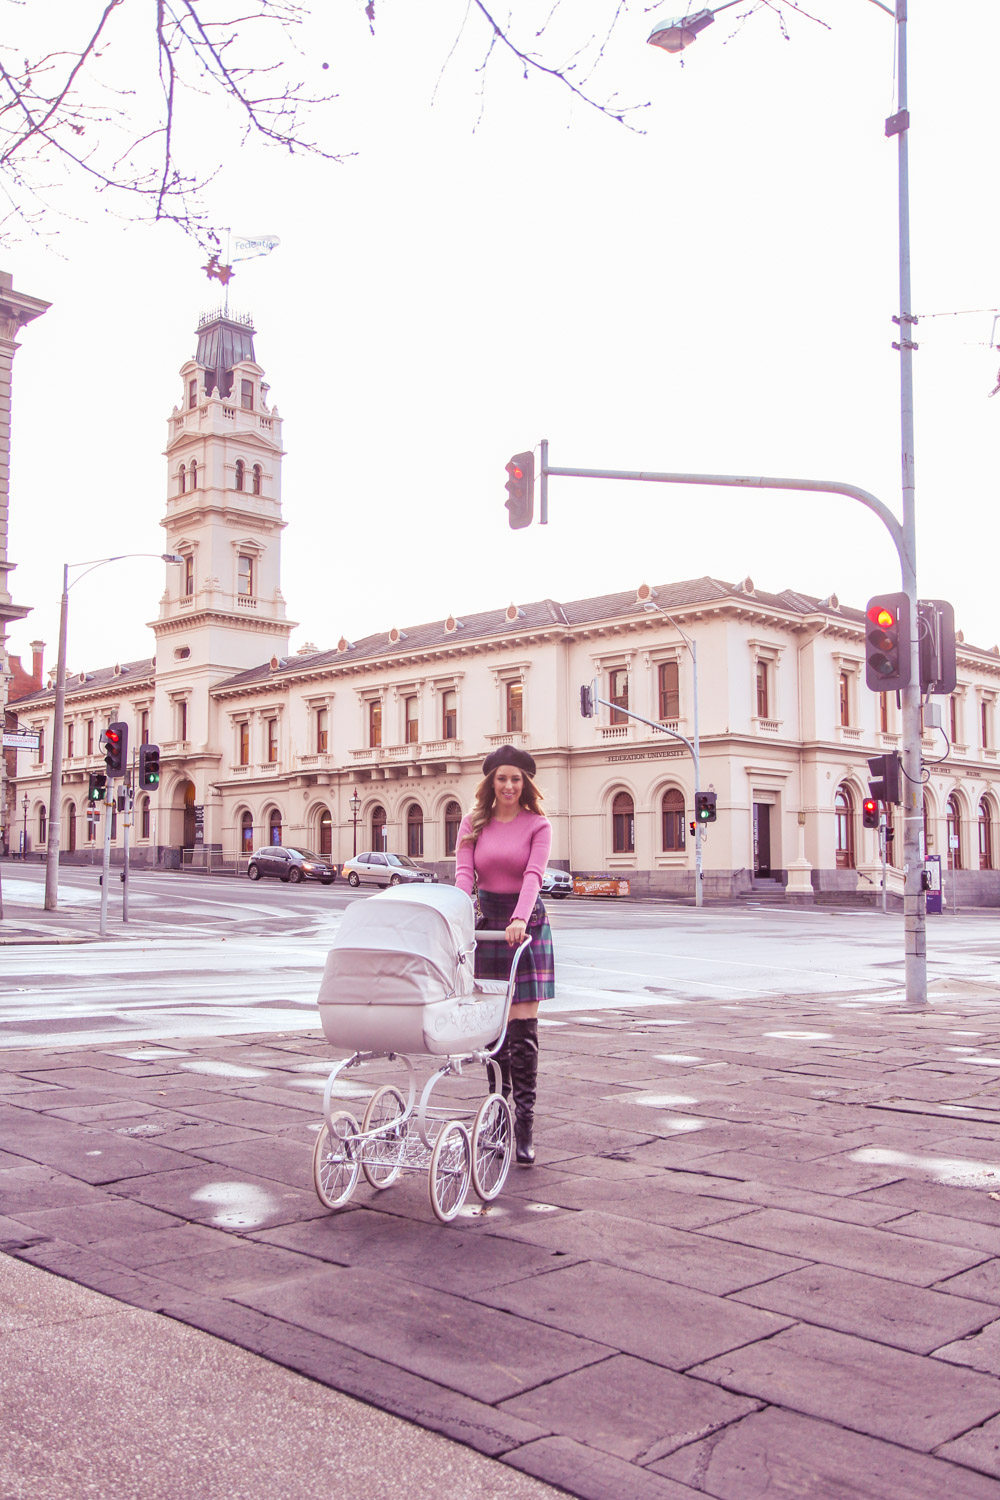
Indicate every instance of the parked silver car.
{"type": "Point", "coordinates": [557, 882]}
{"type": "Point", "coordinates": [384, 869]}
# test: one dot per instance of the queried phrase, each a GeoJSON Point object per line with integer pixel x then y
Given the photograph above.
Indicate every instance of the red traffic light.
{"type": "Point", "coordinates": [520, 490]}
{"type": "Point", "coordinates": [881, 614]}
{"type": "Point", "coordinates": [869, 813]}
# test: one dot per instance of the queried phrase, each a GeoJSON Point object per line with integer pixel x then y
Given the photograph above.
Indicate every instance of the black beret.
{"type": "Point", "coordinates": [508, 755]}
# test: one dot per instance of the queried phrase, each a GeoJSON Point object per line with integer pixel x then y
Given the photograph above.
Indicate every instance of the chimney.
{"type": "Point", "coordinates": [37, 652]}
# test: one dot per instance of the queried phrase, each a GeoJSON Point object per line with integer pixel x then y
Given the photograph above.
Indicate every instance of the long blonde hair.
{"type": "Point", "coordinates": [485, 802]}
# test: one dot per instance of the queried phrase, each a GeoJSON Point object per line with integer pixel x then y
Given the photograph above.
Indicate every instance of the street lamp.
{"type": "Point", "coordinates": [673, 36]}
{"type": "Point", "coordinates": [355, 806]}
{"type": "Point", "coordinates": [55, 782]}
{"type": "Point", "coordinates": [651, 607]}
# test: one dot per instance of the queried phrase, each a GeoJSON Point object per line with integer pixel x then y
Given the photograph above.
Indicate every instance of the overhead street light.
{"type": "Point", "coordinates": [55, 781]}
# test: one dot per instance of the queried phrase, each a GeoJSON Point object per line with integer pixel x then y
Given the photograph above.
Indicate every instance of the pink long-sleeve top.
{"type": "Point", "coordinates": [506, 858]}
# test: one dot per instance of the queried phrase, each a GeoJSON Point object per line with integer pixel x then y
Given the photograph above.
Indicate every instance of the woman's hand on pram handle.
{"type": "Point", "coordinates": [515, 932]}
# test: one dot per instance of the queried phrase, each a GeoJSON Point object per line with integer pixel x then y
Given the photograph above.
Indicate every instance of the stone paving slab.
{"type": "Point", "coordinates": [859, 1384]}
{"type": "Point", "coordinates": [780, 1454]}
{"type": "Point", "coordinates": [708, 1296]}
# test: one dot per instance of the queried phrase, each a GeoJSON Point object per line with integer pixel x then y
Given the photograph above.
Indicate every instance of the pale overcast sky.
{"type": "Point", "coordinates": [498, 263]}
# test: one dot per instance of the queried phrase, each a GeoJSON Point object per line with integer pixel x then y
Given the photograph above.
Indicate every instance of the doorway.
{"type": "Point", "coordinates": [761, 838]}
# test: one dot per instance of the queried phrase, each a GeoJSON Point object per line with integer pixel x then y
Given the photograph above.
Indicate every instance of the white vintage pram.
{"type": "Point", "coordinates": [399, 981]}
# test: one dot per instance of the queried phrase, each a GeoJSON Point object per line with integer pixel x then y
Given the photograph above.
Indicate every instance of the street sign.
{"type": "Point", "coordinates": [20, 741]}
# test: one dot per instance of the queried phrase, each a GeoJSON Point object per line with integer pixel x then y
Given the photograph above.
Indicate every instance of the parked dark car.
{"type": "Point", "coordinates": [290, 864]}
{"type": "Point", "coordinates": [374, 868]}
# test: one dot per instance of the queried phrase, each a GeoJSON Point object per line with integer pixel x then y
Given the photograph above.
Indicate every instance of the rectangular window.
{"type": "Point", "coordinates": [515, 707]}
{"type": "Point", "coordinates": [883, 712]}
{"type": "Point", "coordinates": [246, 395]}
{"type": "Point", "coordinates": [412, 721]}
{"type": "Point", "coordinates": [192, 394]}
{"type": "Point", "coordinates": [90, 736]}
{"type": "Point", "coordinates": [845, 698]}
{"type": "Point", "coordinates": [243, 730]}
{"type": "Point", "coordinates": [246, 576]}
{"type": "Point", "coordinates": [144, 727]}
{"type": "Point", "coordinates": [182, 720]}
{"type": "Point", "coordinates": [189, 575]}
{"type": "Point", "coordinates": [618, 684]}
{"type": "Point", "coordinates": [272, 742]}
{"type": "Point", "coordinates": [375, 723]}
{"type": "Point", "coordinates": [953, 717]}
{"type": "Point", "coordinates": [449, 715]}
{"type": "Point", "coordinates": [763, 694]}
{"type": "Point", "coordinates": [984, 715]}
{"type": "Point", "coordinates": [669, 690]}
{"type": "Point", "coordinates": [322, 731]}
{"type": "Point", "coordinates": [40, 730]}
{"type": "Point", "coordinates": [69, 741]}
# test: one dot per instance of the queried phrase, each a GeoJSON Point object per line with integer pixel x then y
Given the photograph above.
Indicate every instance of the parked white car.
{"type": "Point", "coordinates": [384, 869]}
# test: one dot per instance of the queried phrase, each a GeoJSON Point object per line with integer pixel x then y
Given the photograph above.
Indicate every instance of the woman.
{"type": "Point", "coordinates": [503, 848]}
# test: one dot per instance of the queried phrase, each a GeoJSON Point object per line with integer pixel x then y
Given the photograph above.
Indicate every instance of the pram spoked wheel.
{"type": "Point", "coordinates": [450, 1170]}
{"type": "Point", "coordinates": [492, 1146]}
{"type": "Point", "coordinates": [382, 1156]}
{"type": "Point", "coordinates": [335, 1160]}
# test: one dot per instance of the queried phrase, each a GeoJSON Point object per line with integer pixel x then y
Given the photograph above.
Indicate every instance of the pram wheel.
{"type": "Point", "coordinates": [335, 1160]}
{"type": "Point", "coordinates": [381, 1157]}
{"type": "Point", "coordinates": [450, 1171]}
{"type": "Point", "coordinates": [492, 1139]}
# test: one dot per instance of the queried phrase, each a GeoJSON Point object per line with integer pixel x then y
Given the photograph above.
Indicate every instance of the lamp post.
{"type": "Point", "coordinates": [673, 36]}
{"type": "Point", "coordinates": [55, 781]}
{"type": "Point", "coordinates": [24, 835]}
{"type": "Point", "coordinates": [692, 648]}
{"type": "Point", "coordinates": [355, 806]}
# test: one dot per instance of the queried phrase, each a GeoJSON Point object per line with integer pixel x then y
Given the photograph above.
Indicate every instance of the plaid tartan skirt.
{"type": "Point", "coordinates": [536, 971]}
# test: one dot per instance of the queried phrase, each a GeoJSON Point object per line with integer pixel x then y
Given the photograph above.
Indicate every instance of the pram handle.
{"type": "Point", "coordinates": [498, 935]}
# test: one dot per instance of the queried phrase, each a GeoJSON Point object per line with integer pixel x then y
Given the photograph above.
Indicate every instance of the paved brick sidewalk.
{"type": "Point", "coordinates": [759, 1255]}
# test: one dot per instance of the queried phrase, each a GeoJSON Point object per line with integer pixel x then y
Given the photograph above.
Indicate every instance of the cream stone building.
{"type": "Point", "coordinates": [260, 745]}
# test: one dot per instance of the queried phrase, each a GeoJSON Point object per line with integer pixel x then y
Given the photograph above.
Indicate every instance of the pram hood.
{"type": "Point", "coordinates": [409, 945]}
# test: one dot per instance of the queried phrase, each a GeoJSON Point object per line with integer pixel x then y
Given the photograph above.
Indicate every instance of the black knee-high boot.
{"type": "Point", "coordinates": [523, 1041]}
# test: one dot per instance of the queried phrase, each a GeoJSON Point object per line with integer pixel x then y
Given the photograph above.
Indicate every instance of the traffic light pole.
{"type": "Point", "coordinates": [55, 780]}
{"type": "Point", "coordinates": [106, 862]}
{"type": "Point", "coordinates": [904, 540]}
{"type": "Point", "coordinates": [125, 867]}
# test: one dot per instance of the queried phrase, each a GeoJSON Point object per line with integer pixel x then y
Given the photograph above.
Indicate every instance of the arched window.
{"type": "Point", "coordinates": [414, 831]}
{"type": "Point", "coordinates": [194, 473]}
{"type": "Point", "coordinates": [325, 833]}
{"type": "Point", "coordinates": [673, 820]}
{"type": "Point", "coordinates": [378, 827]}
{"type": "Point", "coordinates": [240, 473]}
{"type": "Point", "coordinates": [256, 478]}
{"type": "Point", "coordinates": [844, 810]}
{"type": "Point", "coordinates": [985, 834]}
{"type": "Point", "coordinates": [181, 479]}
{"type": "Point", "coordinates": [246, 833]}
{"type": "Point", "coordinates": [954, 822]}
{"type": "Point", "coordinates": [452, 823]}
{"type": "Point", "coordinates": [144, 819]}
{"type": "Point", "coordinates": [274, 827]}
{"type": "Point", "coordinates": [623, 824]}
{"type": "Point", "coordinates": [43, 826]}
{"type": "Point", "coordinates": [71, 830]}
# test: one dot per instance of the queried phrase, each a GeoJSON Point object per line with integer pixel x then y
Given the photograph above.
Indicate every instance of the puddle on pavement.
{"type": "Point", "coordinates": [222, 1069]}
{"type": "Point", "coordinates": [239, 1205]}
{"type": "Point", "coordinates": [955, 1171]}
{"type": "Point", "coordinates": [662, 1101]}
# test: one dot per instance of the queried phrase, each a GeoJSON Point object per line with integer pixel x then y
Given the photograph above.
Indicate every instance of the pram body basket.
{"type": "Point", "coordinates": [399, 977]}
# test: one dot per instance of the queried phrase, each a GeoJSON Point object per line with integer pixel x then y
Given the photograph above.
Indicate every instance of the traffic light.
{"type": "Point", "coordinates": [520, 487]}
{"type": "Point", "coordinates": [885, 780]}
{"type": "Point", "coordinates": [870, 813]}
{"type": "Point", "coordinates": [694, 828]}
{"type": "Point", "coordinates": [97, 790]}
{"type": "Point", "coordinates": [936, 633]}
{"type": "Point", "coordinates": [887, 643]}
{"type": "Point", "coordinates": [704, 806]}
{"type": "Point", "coordinates": [587, 701]}
{"type": "Point", "coordinates": [149, 767]}
{"type": "Point", "coordinates": [114, 742]}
